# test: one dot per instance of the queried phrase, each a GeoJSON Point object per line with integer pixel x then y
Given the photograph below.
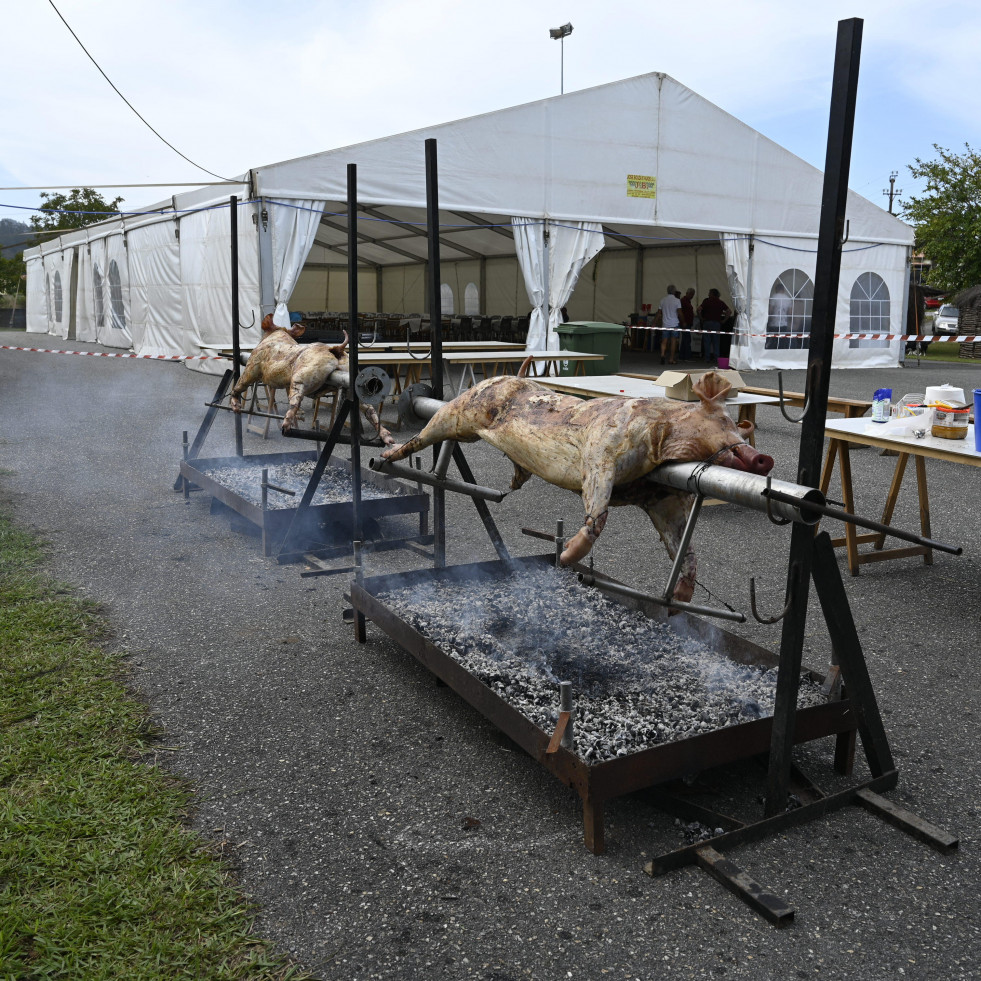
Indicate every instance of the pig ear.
{"type": "Point", "coordinates": [711, 388]}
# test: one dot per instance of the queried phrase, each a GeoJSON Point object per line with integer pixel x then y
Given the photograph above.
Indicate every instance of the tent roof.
{"type": "Point", "coordinates": [569, 157]}
{"type": "Point", "coordinates": [566, 158]}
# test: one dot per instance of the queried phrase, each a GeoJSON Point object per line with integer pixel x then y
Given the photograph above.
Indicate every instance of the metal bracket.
{"type": "Point", "coordinates": [373, 385]}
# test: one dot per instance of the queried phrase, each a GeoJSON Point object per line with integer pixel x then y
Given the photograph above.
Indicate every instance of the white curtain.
{"type": "Point", "coordinates": [293, 229]}
{"type": "Point", "coordinates": [570, 246]}
{"type": "Point", "coordinates": [735, 248]}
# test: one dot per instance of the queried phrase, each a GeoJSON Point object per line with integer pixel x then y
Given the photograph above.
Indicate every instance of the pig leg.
{"type": "Point", "coordinates": [368, 411]}
{"type": "Point", "coordinates": [520, 477]}
{"type": "Point", "coordinates": [297, 392]}
{"type": "Point", "coordinates": [448, 423]}
{"type": "Point", "coordinates": [670, 515]}
{"type": "Point", "coordinates": [251, 374]}
{"type": "Point", "coordinates": [597, 488]}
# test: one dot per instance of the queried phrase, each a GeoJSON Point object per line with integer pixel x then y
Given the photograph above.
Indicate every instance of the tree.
{"type": "Point", "coordinates": [947, 218]}
{"type": "Point", "coordinates": [11, 271]}
{"type": "Point", "coordinates": [62, 212]}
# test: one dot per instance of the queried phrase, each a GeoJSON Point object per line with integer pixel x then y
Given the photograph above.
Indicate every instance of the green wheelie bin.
{"type": "Point", "coordinates": [591, 337]}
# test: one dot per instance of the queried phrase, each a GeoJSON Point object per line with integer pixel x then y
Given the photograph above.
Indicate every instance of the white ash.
{"type": "Point", "coordinates": [636, 682]}
{"type": "Point", "coordinates": [334, 486]}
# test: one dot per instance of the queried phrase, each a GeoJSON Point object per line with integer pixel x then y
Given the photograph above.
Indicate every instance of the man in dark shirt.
{"type": "Point", "coordinates": [713, 311]}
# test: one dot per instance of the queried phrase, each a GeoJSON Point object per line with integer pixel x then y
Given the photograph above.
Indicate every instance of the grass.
{"type": "Point", "coordinates": [943, 352]}
{"type": "Point", "coordinates": [100, 875]}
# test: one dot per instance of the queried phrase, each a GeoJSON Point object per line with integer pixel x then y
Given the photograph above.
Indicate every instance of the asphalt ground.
{"type": "Point", "coordinates": [384, 828]}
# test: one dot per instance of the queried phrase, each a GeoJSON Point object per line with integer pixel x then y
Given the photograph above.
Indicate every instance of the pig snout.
{"type": "Point", "coordinates": [747, 458]}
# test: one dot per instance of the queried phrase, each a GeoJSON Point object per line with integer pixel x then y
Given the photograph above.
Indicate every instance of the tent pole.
{"type": "Point", "coordinates": [436, 327]}
{"type": "Point", "coordinates": [236, 348]}
{"type": "Point", "coordinates": [267, 298]}
{"type": "Point", "coordinates": [546, 285]}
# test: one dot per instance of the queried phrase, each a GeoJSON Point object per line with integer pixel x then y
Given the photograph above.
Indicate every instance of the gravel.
{"type": "Point", "coordinates": [636, 682]}
{"type": "Point", "coordinates": [334, 486]}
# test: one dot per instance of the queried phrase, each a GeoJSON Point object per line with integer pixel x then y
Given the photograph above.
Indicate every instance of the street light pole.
{"type": "Point", "coordinates": [560, 34]}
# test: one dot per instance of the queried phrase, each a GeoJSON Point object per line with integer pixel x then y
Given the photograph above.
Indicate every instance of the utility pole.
{"type": "Point", "coordinates": [891, 191]}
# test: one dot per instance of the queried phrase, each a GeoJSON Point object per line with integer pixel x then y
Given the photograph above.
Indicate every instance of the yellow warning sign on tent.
{"type": "Point", "coordinates": [641, 187]}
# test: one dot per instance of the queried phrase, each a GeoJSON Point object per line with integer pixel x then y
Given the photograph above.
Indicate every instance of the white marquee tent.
{"type": "Point", "coordinates": [594, 199]}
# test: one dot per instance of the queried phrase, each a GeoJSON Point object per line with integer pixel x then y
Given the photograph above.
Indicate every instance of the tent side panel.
{"type": "Point", "coordinates": [155, 291]}
{"type": "Point", "coordinates": [205, 270]}
{"type": "Point", "coordinates": [37, 310]}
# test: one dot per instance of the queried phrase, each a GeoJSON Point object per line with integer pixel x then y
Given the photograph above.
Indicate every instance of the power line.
{"type": "Point", "coordinates": [123, 97]}
{"type": "Point", "coordinates": [112, 187]}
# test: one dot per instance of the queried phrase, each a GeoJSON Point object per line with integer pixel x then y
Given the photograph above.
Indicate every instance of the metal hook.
{"type": "Point", "coordinates": [783, 406]}
{"type": "Point", "coordinates": [408, 345]}
{"type": "Point", "coordinates": [756, 613]}
{"type": "Point", "coordinates": [845, 238]}
{"type": "Point", "coordinates": [240, 327]}
{"type": "Point", "coordinates": [769, 513]}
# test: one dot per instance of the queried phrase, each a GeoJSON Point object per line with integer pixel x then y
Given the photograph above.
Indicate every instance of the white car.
{"type": "Point", "coordinates": [945, 320]}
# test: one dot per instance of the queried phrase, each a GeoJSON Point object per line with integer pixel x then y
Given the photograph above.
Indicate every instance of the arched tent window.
{"type": "Point", "coordinates": [869, 310]}
{"type": "Point", "coordinates": [116, 297]}
{"type": "Point", "coordinates": [789, 311]}
{"type": "Point", "coordinates": [100, 309]}
{"type": "Point", "coordinates": [471, 300]}
{"type": "Point", "coordinates": [446, 300]}
{"type": "Point", "coordinates": [57, 297]}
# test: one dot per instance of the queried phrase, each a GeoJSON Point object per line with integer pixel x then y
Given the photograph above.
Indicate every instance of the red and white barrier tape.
{"type": "Point", "coordinates": [962, 338]}
{"type": "Point", "coordinates": [106, 354]}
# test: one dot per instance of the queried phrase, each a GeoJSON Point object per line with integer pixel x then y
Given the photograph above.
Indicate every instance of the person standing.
{"type": "Point", "coordinates": [670, 308]}
{"type": "Point", "coordinates": [687, 322]}
{"type": "Point", "coordinates": [713, 311]}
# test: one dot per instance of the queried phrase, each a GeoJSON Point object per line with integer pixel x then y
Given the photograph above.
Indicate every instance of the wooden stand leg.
{"type": "Point", "coordinates": [892, 496]}
{"type": "Point", "coordinates": [747, 413]}
{"type": "Point", "coordinates": [845, 743]}
{"type": "Point", "coordinates": [921, 489]}
{"type": "Point", "coordinates": [592, 816]}
{"type": "Point", "coordinates": [829, 465]}
{"type": "Point", "coordinates": [848, 499]}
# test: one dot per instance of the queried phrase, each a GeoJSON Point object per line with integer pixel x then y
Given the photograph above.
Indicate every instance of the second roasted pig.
{"type": "Point", "coordinates": [602, 448]}
{"type": "Point", "coordinates": [303, 369]}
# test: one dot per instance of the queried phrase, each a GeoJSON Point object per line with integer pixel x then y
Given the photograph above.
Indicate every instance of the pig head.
{"type": "Point", "coordinates": [303, 370]}
{"type": "Point", "coordinates": [601, 448]}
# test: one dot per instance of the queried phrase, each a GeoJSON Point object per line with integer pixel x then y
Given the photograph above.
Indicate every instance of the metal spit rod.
{"type": "Point", "coordinates": [740, 487]}
{"type": "Point", "coordinates": [432, 480]}
{"type": "Point", "coordinates": [588, 579]}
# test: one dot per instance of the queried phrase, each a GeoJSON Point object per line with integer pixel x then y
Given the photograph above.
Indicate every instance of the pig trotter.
{"type": "Point", "coordinates": [579, 546]}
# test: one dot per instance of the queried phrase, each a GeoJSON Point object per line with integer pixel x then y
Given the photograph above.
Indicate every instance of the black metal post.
{"type": "Point", "coordinates": [352, 299]}
{"type": "Point", "coordinates": [828, 266]}
{"type": "Point", "coordinates": [236, 348]}
{"type": "Point", "coordinates": [435, 322]}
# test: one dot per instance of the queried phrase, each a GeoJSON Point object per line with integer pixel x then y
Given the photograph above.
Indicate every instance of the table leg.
{"type": "Point", "coordinates": [891, 497]}
{"type": "Point", "coordinates": [848, 499]}
{"type": "Point", "coordinates": [829, 465]}
{"type": "Point", "coordinates": [748, 413]}
{"type": "Point", "coordinates": [921, 489]}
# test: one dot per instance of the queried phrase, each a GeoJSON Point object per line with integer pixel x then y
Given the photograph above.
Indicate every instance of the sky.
{"type": "Point", "coordinates": [235, 84]}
